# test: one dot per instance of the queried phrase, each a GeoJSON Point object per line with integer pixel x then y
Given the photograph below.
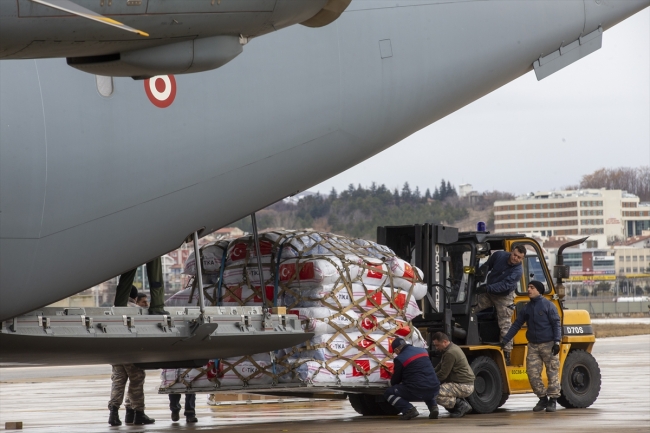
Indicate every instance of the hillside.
{"type": "Point", "coordinates": [357, 211]}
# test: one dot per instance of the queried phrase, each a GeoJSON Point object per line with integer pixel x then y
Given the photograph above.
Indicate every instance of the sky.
{"type": "Point", "coordinates": [540, 135]}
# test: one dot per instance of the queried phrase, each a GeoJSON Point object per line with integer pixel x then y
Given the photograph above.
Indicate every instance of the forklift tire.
{"type": "Point", "coordinates": [360, 404]}
{"type": "Point", "coordinates": [580, 381]}
{"type": "Point", "coordinates": [504, 398]}
{"type": "Point", "coordinates": [488, 389]}
{"type": "Point", "coordinates": [371, 405]}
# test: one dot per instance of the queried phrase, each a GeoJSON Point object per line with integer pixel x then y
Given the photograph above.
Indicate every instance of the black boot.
{"type": "Point", "coordinates": [130, 415]}
{"type": "Point", "coordinates": [158, 311]}
{"type": "Point", "coordinates": [141, 418]}
{"type": "Point", "coordinates": [461, 408]}
{"type": "Point", "coordinates": [410, 414]}
{"type": "Point", "coordinates": [191, 418]}
{"type": "Point", "coordinates": [114, 416]}
{"type": "Point", "coordinates": [551, 405]}
{"type": "Point", "coordinates": [175, 415]}
{"type": "Point", "coordinates": [433, 410]}
{"type": "Point", "coordinates": [541, 404]}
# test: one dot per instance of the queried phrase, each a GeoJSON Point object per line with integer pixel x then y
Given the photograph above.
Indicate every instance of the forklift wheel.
{"type": "Point", "coordinates": [371, 405]}
{"type": "Point", "coordinates": [487, 386]}
{"type": "Point", "coordinates": [580, 384]}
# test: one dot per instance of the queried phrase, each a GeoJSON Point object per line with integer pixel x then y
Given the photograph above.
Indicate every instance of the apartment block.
{"type": "Point", "coordinates": [603, 215]}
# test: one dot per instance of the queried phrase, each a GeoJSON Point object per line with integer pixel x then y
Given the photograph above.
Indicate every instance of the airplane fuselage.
{"type": "Point", "coordinates": [94, 185]}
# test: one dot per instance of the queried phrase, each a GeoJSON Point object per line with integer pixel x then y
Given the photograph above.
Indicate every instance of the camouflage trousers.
{"type": "Point", "coordinates": [504, 306]}
{"type": "Point", "coordinates": [135, 395]}
{"type": "Point", "coordinates": [449, 392]}
{"type": "Point", "coordinates": [540, 355]}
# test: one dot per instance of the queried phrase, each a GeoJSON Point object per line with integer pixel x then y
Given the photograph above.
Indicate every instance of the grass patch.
{"type": "Point", "coordinates": [604, 330]}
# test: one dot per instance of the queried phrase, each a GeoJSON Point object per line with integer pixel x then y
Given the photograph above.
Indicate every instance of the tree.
{"type": "Point", "coordinates": [427, 194]}
{"type": "Point", "coordinates": [406, 192]}
{"type": "Point", "coordinates": [451, 191]}
{"type": "Point", "coordinates": [633, 180]}
{"type": "Point", "coordinates": [436, 194]}
{"type": "Point", "coordinates": [417, 195]}
{"type": "Point", "coordinates": [333, 195]}
{"type": "Point", "coordinates": [396, 197]}
{"type": "Point", "coordinates": [443, 189]}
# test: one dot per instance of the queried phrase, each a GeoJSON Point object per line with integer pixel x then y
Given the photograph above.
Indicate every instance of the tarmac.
{"type": "Point", "coordinates": [74, 399]}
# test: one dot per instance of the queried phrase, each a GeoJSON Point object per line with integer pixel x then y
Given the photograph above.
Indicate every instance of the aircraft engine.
{"type": "Point", "coordinates": [179, 58]}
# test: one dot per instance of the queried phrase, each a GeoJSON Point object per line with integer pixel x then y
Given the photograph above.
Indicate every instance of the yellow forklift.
{"type": "Point", "coordinates": [450, 262]}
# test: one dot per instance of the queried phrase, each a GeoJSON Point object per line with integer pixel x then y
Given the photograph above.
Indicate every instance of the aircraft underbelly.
{"type": "Point", "coordinates": [127, 180]}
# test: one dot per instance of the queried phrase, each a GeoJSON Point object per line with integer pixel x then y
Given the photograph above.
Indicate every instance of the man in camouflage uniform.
{"type": "Point", "coordinates": [135, 396]}
{"type": "Point", "coordinates": [134, 403]}
{"type": "Point", "coordinates": [499, 290]}
{"type": "Point", "coordinates": [455, 375]}
{"type": "Point", "coordinates": [544, 335]}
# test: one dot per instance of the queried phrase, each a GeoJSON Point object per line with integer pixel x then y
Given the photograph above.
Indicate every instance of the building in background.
{"type": "Point", "coordinates": [606, 216]}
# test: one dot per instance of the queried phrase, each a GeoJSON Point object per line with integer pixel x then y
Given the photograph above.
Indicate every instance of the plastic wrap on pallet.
{"type": "Point", "coordinates": [337, 372]}
{"type": "Point", "coordinates": [376, 300]}
{"type": "Point", "coordinates": [356, 296]}
{"type": "Point", "coordinates": [212, 254]}
{"type": "Point", "coordinates": [326, 321]}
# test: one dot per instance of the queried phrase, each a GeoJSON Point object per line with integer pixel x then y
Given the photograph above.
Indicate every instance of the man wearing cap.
{"type": "Point", "coordinates": [414, 379]}
{"type": "Point", "coordinates": [544, 335]}
{"type": "Point", "coordinates": [456, 376]}
{"type": "Point", "coordinates": [499, 290]}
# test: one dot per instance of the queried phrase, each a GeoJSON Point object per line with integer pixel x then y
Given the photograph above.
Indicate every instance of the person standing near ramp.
{"type": "Point", "coordinates": [414, 379]}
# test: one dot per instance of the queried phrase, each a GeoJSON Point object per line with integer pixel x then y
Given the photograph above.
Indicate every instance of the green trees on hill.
{"type": "Point", "coordinates": [358, 211]}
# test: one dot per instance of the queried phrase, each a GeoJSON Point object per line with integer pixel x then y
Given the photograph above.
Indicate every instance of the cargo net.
{"type": "Point", "coordinates": [356, 296]}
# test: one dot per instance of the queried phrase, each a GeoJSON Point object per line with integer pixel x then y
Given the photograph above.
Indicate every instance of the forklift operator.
{"type": "Point", "coordinates": [499, 290]}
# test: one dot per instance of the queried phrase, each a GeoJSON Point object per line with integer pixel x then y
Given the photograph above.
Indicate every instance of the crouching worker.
{"type": "Point", "coordinates": [456, 376]}
{"type": "Point", "coordinates": [413, 380]}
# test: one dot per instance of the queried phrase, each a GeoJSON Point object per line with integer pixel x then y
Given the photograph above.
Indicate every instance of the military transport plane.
{"type": "Point", "coordinates": [100, 172]}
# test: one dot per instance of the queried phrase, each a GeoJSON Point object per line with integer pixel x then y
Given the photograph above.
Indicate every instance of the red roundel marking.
{"type": "Point", "coordinates": [161, 90]}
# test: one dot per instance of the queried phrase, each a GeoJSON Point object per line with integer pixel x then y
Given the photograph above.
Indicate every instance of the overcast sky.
{"type": "Point", "coordinates": [540, 135]}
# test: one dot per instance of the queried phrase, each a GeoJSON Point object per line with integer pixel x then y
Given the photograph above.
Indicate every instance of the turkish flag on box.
{"type": "Point", "coordinates": [269, 293]}
{"type": "Point", "coordinates": [386, 371]}
{"type": "Point", "coordinates": [362, 365]}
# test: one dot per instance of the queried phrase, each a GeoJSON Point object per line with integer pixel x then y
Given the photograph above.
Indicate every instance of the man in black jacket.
{"type": "Point", "coordinates": [544, 335]}
{"type": "Point", "coordinates": [414, 379]}
{"type": "Point", "coordinates": [499, 290]}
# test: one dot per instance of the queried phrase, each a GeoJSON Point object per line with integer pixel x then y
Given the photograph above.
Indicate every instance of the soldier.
{"type": "Point", "coordinates": [134, 403]}
{"type": "Point", "coordinates": [499, 290]}
{"type": "Point", "coordinates": [135, 397]}
{"type": "Point", "coordinates": [156, 288]}
{"type": "Point", "coordinates": [544, 335]}
{"type": "Point", "coordinates": [413, 380]}
{"type": "Point", "coordinates": [455, 375]}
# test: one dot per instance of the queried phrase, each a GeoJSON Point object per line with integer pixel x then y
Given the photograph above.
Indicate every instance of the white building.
{"type": "Point", "coordinates": [464, 189]}
{"type": "Point", "coordinates": [604, 215]}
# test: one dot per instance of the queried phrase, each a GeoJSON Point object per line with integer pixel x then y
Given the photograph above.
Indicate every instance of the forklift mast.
{"type": "Point", "coordinates": [425, 246]}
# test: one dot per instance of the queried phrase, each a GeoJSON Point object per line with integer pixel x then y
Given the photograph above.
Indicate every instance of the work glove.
{"type": "Point", "coordinates": [556, 349]}
{"type": "Point", "coordinates": [481, 289]}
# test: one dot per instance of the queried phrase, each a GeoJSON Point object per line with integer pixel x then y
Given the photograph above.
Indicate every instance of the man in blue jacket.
{"type": "Point", "coordinates": [499, 290]}
{"type": "Point", "coordinates": [414, 379]}
{"type": "Point", "coordinates": [544, 335]}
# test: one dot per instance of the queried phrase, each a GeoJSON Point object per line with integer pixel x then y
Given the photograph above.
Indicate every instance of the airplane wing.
{"type": "Point", "coordinates": [75, 9]}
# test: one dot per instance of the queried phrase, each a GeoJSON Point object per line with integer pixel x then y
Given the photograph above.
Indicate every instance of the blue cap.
{"type": "Point", "coordinates": [480, 226]}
